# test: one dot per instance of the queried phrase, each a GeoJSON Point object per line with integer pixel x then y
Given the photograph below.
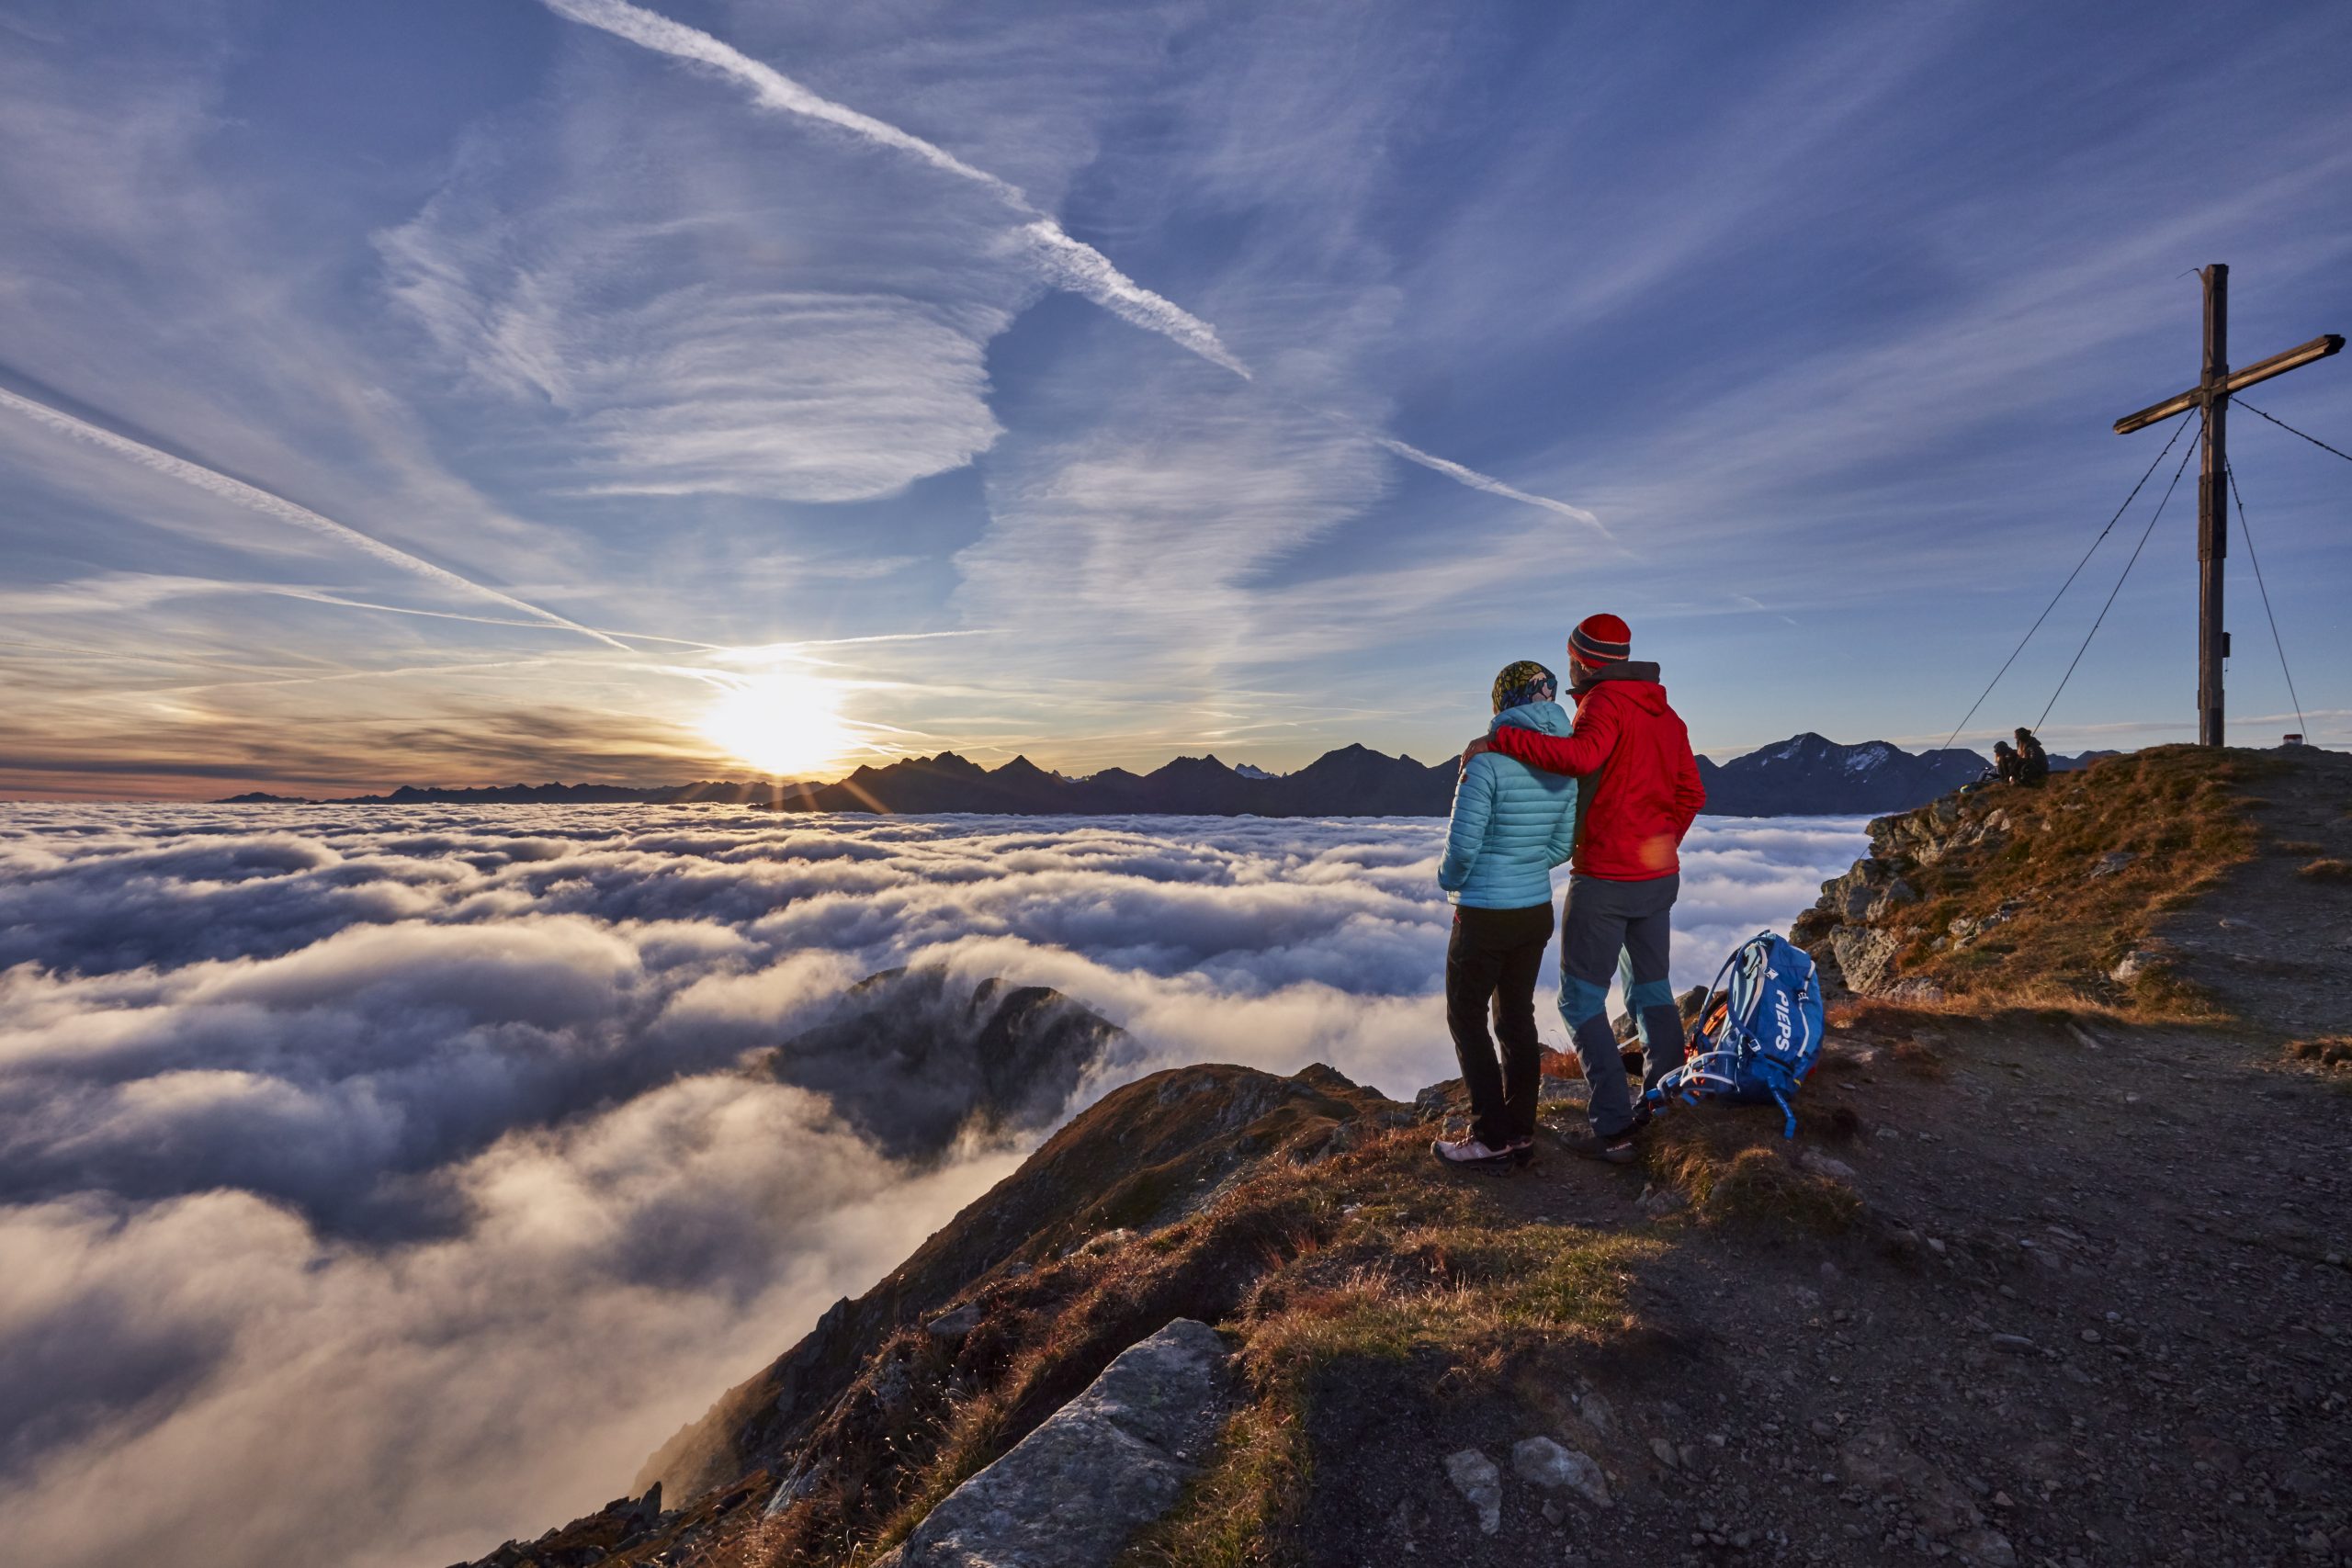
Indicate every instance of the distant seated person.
{"type": "Point", "coordinates": [2033, 762]}
{"type": "Point", "coordinates": [2006, 763]}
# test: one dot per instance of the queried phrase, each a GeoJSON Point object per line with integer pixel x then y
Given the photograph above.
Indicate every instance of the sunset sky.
{"type": "Point", "coordinates": [462, 391]}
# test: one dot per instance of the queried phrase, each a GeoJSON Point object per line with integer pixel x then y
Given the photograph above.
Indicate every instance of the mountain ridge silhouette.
{"type": "Point", "coordinates": [1807, 775]}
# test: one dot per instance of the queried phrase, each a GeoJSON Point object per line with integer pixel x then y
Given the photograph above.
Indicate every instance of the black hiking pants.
{"type": "Point", "coordinates": [1491, 966]}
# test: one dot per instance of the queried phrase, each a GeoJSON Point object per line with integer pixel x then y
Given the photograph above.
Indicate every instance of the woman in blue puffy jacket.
{"type": "Point", "coordinates": [1512, 825]}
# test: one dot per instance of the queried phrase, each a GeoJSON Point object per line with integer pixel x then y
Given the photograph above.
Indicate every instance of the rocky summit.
{"type": "Point", "coordinates": [2174, 883]}
{"type": "Point", "coordinates": [2053, 1273]}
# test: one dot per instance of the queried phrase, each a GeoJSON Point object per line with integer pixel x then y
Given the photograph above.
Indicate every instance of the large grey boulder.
{"type": "Point", "coordinates": [1072, 1493]}
{"type": "Point", "coordinates": [1866, 957]}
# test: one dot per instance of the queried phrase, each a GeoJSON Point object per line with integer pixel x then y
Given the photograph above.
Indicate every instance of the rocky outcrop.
{"type": "Point", "coordinates": [1866, 959]}
{"type": "Point", "coordinates": [2094, 888]}
{"type": "Point", "coordinates": [1143, 1157]}
{"type": "Point", "coordinates": [1868, 917]}
{"type": "Point", "coordinates": [1071, 1494]}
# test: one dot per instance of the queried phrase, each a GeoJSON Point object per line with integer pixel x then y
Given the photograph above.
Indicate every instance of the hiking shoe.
{"type": "Point", "coordinates": [1520, 1150]}
{"type": "Point", "coordinates": [1469, 1152]}
{"type": "Point", "coordinates": [1617, 1148]}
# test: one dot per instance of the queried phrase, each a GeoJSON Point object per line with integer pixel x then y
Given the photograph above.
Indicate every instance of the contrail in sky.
{"type": "Point", "coordinates": [1066, 262]}
{"type": "Point", "coordinates": [1487, 483]}
{"type": "Point", "coordinates": [1087, 272]}
{"type": "Point", "coordinates": [214, 482]}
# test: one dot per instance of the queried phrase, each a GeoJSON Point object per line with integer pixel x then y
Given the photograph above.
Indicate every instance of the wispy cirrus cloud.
{"type": "Point", "coordinates": [694, 325]}
{"type": "Point", "coordinates": [253, 498]}
{"type": "Point", "coordinates": [1061, 260]}
{"type": "Point", "coordinates": [1065, 262]}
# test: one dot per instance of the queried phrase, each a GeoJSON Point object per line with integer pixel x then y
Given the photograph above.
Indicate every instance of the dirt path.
{"type": "Point", "coordinates": [2273, 943]}
{"type": "Point", "coordinates": [2096, 1312]}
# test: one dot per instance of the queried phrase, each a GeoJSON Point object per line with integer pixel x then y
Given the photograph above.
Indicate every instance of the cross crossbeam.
{"type": "Point", "coordinates": [2211, 393]}
{"type": "Point", "coordinates": [2261, 370]}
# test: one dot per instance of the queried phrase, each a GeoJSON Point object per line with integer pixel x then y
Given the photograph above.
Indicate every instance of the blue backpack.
{"type": "Point", "coordinates": [1758, 1035]}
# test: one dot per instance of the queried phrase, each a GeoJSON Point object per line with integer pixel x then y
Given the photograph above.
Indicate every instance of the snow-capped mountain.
{"type": "Point", "coordinates": [1811, 774]}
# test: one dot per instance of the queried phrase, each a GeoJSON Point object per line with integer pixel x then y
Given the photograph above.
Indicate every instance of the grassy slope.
{"type": "Point", "coordinates": [1445, 1289]}
{"type": "Point", "coordinates": [1323, 1267]}
{"type": "Point", "coordinates": [2088, 865]}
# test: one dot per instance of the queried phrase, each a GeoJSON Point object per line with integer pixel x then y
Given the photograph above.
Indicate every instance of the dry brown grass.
{"type": "Point", "coordinates": [2043, 999]}
{"type": "Point", "coordinates": [1240, 1500]}
{"type": "Point", "coordinates": [1280, 1214]}
{"type": "Point", "coordinates": [1469, 1295]}
{"type": "Point", "coordinates": [2328, 871]}
{"type": "Point", "coordinates": [971, 1442]}
{"type": "Point", "coordinates": [755, 1541]}
{"type": "Point", "coordinates": [1558, 1063]}
{"type": "Point", "coordinates": [1099, 1300]}
{"type": "Point", "coordinates": [1422, 1262]}
{"type": "Point", "coordinates": [2330, 1052]}
{"type": "Point", "coordinates": [2178, 811]}
{"type": "Point", "coordinates": [1361, 1257]}
{"type": "Point", "coordinates": [1736, 1169]}
{"type": "Point", "coordinates": [1416, 1269]}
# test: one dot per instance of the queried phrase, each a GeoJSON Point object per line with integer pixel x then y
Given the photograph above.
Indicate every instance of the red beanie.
{"type": "Point", "coordinates": [1601, 640]}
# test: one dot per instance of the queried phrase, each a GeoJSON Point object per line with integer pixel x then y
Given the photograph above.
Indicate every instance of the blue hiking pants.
{"type": "Point", "coordinates": [1600, 921]}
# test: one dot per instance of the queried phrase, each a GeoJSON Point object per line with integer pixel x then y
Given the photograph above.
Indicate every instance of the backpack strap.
{"type": "Point", "coordinates": [1716, 988]}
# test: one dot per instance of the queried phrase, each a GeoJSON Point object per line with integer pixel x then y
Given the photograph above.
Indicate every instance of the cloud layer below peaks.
{"type": "Point", "coordinates": [410, 1146]}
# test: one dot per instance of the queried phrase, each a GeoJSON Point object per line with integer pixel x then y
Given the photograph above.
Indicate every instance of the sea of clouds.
{"type": "Point", "coordinates": [376, 1184]}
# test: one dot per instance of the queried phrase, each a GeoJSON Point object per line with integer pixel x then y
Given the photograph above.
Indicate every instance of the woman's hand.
{"type": "Point", "coordinates": [1481, 744]}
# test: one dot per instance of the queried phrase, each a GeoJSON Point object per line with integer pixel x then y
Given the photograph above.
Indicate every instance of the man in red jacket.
{"type": "Point", "coordinates": [1642, 793]}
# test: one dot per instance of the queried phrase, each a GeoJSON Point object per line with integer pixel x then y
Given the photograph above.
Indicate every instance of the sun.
{"type": "Point", "coordinates": [780, 724]}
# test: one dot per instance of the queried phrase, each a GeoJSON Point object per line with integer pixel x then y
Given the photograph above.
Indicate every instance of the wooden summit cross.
{"type": "Point", "coordinates": [2213, 394]}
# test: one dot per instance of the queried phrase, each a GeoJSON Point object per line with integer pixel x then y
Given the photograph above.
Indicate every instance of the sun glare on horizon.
{"type": "Point", "coordinates": [780, 724]}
